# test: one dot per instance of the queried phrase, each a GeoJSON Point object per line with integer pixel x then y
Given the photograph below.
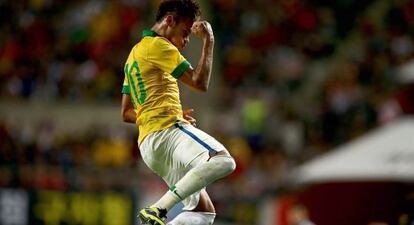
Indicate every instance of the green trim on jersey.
{"type": "Point", "coordinates": [149, 33]}
{"type": "Point", "coordinates": [180, 69]}
{"type": "Point", "coordinates": [126, 90]}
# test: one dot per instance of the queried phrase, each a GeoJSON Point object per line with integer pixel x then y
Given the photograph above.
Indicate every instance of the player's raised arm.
{"type": "Point", "coordinates": [199, 78]}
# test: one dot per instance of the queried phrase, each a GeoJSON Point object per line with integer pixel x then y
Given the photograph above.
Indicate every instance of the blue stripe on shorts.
{"type": "Point", "coordinates": [201, 142]}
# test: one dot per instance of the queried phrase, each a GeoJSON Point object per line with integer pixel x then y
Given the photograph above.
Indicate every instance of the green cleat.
{"type": "Point", "coordinates": [152, 216]}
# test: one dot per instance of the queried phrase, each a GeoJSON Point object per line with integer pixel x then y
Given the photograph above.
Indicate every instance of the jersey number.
{"type": "Point", "coordinates": [130, 72]}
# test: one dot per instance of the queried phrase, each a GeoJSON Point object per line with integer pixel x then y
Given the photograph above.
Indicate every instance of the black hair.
{"type": "Point", "coordinates": [179, 9]}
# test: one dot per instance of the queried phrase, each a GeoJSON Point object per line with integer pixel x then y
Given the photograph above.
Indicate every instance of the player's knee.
{"type": "Point", "coordinates": [226, 163]}
{"type": "Point", "coordinates": [231, 164]}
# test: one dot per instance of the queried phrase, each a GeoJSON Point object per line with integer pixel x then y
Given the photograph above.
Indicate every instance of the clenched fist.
{"type": "Point", "coordinates": [202, 29]}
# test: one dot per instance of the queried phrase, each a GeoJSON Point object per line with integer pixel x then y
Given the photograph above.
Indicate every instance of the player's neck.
{"type": "Point", "coordinates": [160, 29]}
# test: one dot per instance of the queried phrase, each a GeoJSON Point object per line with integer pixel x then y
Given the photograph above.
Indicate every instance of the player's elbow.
{"type": "Point", "coordinates": [125, 116]}
{"type": "Point", "coordinates": [201, 86]}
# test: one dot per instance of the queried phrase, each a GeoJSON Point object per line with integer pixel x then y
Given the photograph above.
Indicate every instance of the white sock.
{"type": "Point", "coordinates": [197, 178]}
{"type": "Point", "coordinates": [167, 201]}
{"type": "Point", "coordinates": [193, 218]}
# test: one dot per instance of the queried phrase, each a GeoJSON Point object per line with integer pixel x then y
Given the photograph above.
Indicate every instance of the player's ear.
{"type": "Point", "coordinates": [169, 20]}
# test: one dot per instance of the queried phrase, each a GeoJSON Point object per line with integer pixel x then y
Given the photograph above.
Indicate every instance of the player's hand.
{"type": "Point", "coordinates": [203, 30]}
{"type": "Point", "coordinates": [186, 115]}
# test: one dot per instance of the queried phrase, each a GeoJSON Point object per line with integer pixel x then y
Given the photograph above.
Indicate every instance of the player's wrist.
{"type": "Point", "coordinates": [209, 38]}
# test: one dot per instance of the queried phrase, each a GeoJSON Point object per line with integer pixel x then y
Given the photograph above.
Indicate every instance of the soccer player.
{"type": "Point", "coordinates": [185, 157]}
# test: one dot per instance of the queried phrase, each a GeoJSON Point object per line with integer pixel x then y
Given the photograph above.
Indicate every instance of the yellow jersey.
{"type": "Point", "coordinates": [150, 78]}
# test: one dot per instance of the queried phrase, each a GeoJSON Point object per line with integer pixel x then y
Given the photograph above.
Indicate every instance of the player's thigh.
{"type": "Point", "coordinates": [157, 153]}
{"type": "Point", "coordinates": [194, 146]}
{"type": "Point", "coordinates": [204, 204]}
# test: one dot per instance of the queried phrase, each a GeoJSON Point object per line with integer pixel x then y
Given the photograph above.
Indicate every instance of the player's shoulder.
{"type": "Point", "coordinates": [162, 43]}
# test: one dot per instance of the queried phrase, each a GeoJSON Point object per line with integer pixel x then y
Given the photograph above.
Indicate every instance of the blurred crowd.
{"type": "Point", "coordinates": [309, 75]}
{"type": "Point", "coordinates": [293, 85]}
{"type": "Point", "coordinates": [66, 50]}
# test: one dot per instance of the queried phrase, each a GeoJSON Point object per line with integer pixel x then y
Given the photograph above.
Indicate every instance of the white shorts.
{"type": "Point", "coordinates": [172, 152]}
